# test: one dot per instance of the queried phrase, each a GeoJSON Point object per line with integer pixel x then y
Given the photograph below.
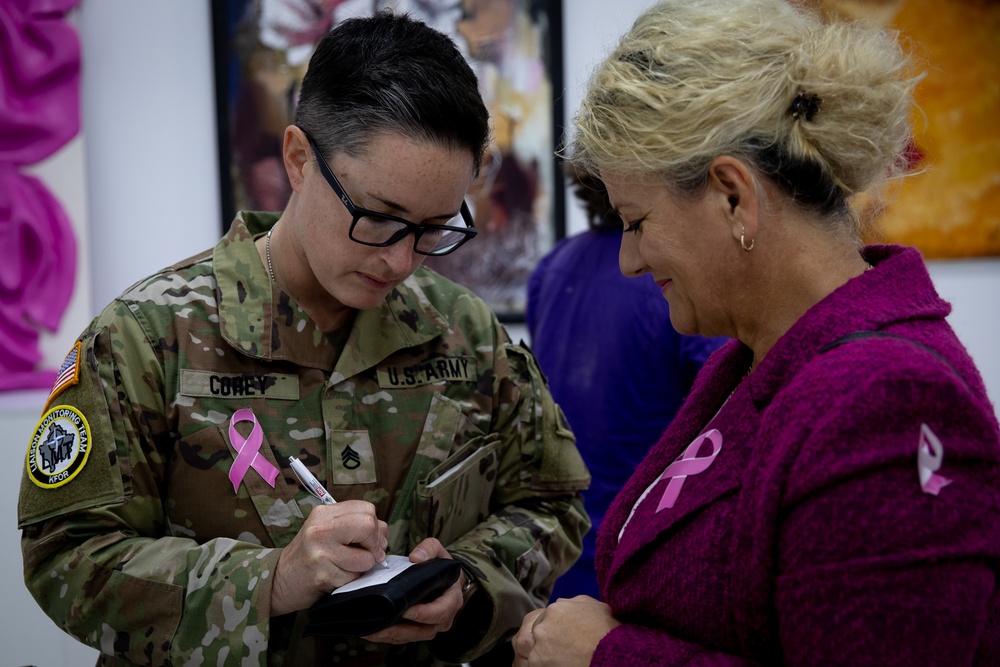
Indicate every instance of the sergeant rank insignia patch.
{"type": "Point", "coordinates": [59, 447]}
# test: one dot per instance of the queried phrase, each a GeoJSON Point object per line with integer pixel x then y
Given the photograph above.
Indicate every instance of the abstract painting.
{"type": "Point", "coordinates": [262, 48]}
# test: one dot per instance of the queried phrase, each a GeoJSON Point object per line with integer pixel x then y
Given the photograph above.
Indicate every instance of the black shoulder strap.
{"type": "Point", "coordinates": [857, 335]}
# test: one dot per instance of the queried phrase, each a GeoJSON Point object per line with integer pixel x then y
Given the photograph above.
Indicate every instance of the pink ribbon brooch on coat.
{"type": "Point", "coordinates": [689, 464]}
{"type": "Point", "coordinates": [930, 456]}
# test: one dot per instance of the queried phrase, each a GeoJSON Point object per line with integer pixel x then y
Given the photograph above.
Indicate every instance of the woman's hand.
{"type": "Point", "coordinates": [566, 632]}
{"type": "Point", "coordinates": [337, 544]}
{"type": "Point", "coordinates": [424, 621]}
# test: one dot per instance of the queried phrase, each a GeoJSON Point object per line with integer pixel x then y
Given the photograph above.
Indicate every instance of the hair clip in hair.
{"type": "Point", "coordinates": [805, 105]}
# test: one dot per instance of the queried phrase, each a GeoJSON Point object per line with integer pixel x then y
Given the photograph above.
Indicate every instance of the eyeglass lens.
{"type": "Point", "coordinates": [431, 239]}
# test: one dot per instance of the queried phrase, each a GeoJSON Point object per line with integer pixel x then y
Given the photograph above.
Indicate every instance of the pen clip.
{"type": "Point", "coordinates": [309, 481]}
{"type": "Point", "coordinates": [303, 482]}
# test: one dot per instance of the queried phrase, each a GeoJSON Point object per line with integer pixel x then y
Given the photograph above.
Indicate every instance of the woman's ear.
{"type": "Point", "coordinates": [295, 152]}
{"type": "Point", "coordinates": [731, 183]}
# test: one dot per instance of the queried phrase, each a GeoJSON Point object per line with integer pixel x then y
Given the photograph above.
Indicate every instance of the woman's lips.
{"type": "Point", "coordinates": [664, 284]}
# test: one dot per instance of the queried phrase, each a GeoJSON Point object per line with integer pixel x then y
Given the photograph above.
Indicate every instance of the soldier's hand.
{"type": "Point", "coordinates": [424, 621]}
{"type": "Point", "coordinates": [336, 545]}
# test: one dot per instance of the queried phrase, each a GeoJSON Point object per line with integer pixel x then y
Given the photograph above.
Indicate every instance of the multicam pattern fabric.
{"type": "Point", "coordinates": [150, 557]}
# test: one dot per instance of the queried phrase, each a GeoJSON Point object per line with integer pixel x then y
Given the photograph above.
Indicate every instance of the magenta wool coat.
{"type": "Point", "coordinates": [842, 507]}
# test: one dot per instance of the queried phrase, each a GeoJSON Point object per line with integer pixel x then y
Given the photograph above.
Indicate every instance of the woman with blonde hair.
{"type": "Point", "coordinates": [829, 492]}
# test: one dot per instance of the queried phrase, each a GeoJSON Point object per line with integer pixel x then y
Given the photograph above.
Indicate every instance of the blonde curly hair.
{"type": "Point", "coordinates": [694, 79]}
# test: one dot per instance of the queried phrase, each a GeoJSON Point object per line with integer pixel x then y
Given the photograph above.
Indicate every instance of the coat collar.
{"type": "Point", "coordinates": [261, 321]}
{"type": "Point", "coordinates": [899, 288]}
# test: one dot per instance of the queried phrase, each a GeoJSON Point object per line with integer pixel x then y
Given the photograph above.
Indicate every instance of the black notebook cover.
{"type": "Point", "coordinates": [366, 610]}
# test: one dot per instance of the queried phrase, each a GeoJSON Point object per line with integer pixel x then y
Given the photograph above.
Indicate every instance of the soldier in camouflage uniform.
{"type": "Point", "coordinates": [161, 521]}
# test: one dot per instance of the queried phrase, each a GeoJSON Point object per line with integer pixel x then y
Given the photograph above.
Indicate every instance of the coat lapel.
{"type": "Point", "coordinates": [721, 373]}
{"type": "Point", "coordinates": [715, 460]}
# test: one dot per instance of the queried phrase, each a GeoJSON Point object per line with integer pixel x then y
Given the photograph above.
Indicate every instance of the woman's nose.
{"type": "Point", "coordinates": [400, 256]}
{"type": "Point", "coordinates": [629, 261]}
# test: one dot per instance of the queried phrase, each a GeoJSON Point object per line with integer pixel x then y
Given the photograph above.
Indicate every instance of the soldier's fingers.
{"type": "Point", "coordinates": [422, 622]}
{"type": "Point", "coordinates": [343, 565]}
{"type": "Point", "coordinates": [439, 612]}
{"type": "Point", "coordinates": [329, 512]}
{"type": "Point", "coordinates": [359, 528]}
{"type": "Point", "coordinates": [403, 632]}
{"type": "Point", "coordinates": [427, 549]}
{"type": "Point", "coordinates": [370, 535]}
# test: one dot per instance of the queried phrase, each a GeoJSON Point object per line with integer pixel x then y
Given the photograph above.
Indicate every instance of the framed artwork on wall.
{"type": "Point", "coordinates": [949, 207]}
{"type": "Point", "coordinates": [262, 49]}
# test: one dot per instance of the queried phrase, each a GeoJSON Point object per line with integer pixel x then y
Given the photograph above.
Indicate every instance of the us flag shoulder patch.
{"type": "Point", "coordinates": [69, 374]}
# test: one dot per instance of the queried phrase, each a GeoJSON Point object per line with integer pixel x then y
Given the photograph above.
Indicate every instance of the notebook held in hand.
{"type": "Point", "coordinates": [367, 610]}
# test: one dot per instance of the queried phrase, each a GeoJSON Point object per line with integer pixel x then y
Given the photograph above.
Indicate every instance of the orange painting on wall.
{"type": "Point", "coordinates": [951, 207]}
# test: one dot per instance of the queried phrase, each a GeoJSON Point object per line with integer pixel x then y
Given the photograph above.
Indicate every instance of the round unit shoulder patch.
{"type": "Point", "coordinates": [59, 447]}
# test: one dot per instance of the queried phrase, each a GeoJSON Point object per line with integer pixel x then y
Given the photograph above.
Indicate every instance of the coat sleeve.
{"type": "Point", "coordinates": [98, 554]}
{"type": "Point", "coordinates": [535, 530]}
{"type": "Point", "coordinates": [874, 566]}
{"type": "Point", "coordinates": [640, 646]}
{"type": "Point", "coordinates": [846, 557]}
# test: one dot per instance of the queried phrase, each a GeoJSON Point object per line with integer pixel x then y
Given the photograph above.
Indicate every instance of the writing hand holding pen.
{"type": "Point", "coordinates": [314, 486]}
{"type": "Point", "coordinates": [335, 545]}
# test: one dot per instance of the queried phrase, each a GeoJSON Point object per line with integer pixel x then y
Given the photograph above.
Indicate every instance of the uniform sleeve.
{"type": "Point", "coordinates": [536, 530]}
{"type": "Point", "coordinates": [99, 557]}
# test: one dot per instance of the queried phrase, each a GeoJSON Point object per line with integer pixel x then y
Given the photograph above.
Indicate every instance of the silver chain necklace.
{"type": "Point", "coordinates": [267, 253]}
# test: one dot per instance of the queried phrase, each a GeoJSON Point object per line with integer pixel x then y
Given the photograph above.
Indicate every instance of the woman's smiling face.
{"type": "Point", "coordinates": [682, 243]}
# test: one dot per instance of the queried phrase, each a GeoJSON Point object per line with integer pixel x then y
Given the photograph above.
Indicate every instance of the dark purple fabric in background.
{"type": "Point", "coordinates": [615, 366]}
{"type": "Point", "coordinates": [808, 540]}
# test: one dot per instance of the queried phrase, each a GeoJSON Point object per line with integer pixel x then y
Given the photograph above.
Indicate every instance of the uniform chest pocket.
{"type": "Point", "coordinates": [455, 495]}
{"type": "Point", "coordinates": [200, 498]}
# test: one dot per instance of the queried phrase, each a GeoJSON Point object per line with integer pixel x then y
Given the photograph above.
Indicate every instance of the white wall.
{"type": "Point", "coordinates": [150, 197]}
{"type": "Point", "coordinates": [141, 187]}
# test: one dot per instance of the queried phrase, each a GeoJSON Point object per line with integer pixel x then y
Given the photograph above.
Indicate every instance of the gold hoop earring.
{"type": "Point", "coordinates": [743, 243]}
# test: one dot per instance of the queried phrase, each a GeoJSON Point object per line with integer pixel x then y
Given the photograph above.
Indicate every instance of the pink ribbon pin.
{"type": "Point", "coordinates": [689, 464]}
{"type": "Point", "coordinates": [248, 451]}
{"type": "Point", "coordinates": [930, 456]}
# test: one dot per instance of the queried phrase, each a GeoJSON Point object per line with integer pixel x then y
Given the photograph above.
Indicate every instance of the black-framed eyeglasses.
{"type": "Point", "coordinates": [381, 229]}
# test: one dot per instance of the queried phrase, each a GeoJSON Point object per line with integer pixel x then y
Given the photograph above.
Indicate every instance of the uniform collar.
{"type": "Point", "coordinates": [261, 321]}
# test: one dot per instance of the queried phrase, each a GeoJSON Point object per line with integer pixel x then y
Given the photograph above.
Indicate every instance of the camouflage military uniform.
{"type": "Point", "coordinates": [140, 547]}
